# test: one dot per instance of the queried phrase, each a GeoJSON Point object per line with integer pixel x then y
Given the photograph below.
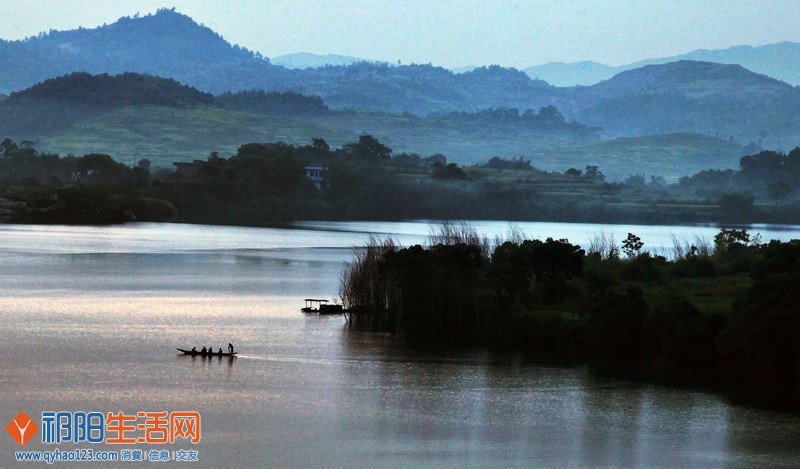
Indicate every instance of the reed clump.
{"type": "Point", "coordinates": [366, 293]}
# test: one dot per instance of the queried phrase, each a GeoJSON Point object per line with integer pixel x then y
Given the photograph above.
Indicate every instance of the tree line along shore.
{"type": "Point", "coordinates": [722, 316]}
{"type": "Point", "coordinates": [272, 183]}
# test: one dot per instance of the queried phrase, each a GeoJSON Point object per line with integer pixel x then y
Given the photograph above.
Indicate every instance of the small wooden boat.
{"type": "Point", "coordinates": [310, 308]}
{"type": "Point", "coordinates": [207, 354]}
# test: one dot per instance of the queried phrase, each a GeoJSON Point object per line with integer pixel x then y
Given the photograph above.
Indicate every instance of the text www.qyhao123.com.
{"type": "Point", "coordinates": [86, 455]}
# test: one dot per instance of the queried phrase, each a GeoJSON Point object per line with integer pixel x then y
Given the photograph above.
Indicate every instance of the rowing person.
{"type": "Point", "coordinates": [230, 347]}
{"type": "Point", "coordinates": [203, 351]}
{"type": "Point", "coordinates": [194, 350]}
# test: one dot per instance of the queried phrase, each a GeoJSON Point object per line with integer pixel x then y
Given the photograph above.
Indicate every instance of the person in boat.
{"type": "Point", "coordinates": [230, 347]}
{"type": "Point", "coordinates": [194, 349]}
{"type": "Point", "coordinates": [203, 351]}
{"type": "Point", "coordinates": [220, 351]}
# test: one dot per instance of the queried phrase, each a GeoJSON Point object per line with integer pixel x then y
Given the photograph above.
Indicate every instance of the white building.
{"type": "Point", "coordinates": [317, 175]}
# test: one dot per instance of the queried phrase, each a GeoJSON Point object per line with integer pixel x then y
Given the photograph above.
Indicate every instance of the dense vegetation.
{"type": "Point", "coordinates": [547, 118]}
{"type": "Point", "coordinates": [367, 180]}
{"type": "Point", "coordinates": [59, 103]}
{"type": "Point", "coordinates": [724, 317]}
{"type": "Point", "coordinates": [265, 183]}
{"type": "Point", "coordinates": [766, 173]}
{"type": "Point", "coordinates": [45, 188]}
{"type": "Point", "coordinates": [126, 89]}
{"type": "Point", "coordinates": [272, 103]}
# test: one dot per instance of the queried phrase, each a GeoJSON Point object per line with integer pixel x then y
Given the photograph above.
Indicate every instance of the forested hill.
{"type": "Point", "coordinates": [686, 96]}
{"type": "Point", "coordinates": [166, 44]}
{"type": "Point", "coordinates": [689, 78]}
{"type": "Point", "coordinates": [113, 91]}
{"type": "Point", "coordinates": [140, 116]}
{"type": "Point", "coordinates": [59, 103]}
{"type": "Point", "coordinates": [780, 60]}
{"type": "Point", "coordinates": [272, 103]}
{"type": "Point", "coordinates": [172, 45]}
{"type": "Point", "coordinates": [423, 89]}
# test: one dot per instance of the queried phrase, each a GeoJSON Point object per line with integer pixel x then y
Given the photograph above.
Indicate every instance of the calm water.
{"type": "Point", "coordinates": [90, 317]}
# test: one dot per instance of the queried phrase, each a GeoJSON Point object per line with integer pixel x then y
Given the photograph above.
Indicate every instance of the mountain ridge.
{"type": "Point", "coordinates": [780, 60]}
{"type": "Point", "coordinates": [172, 45]}
{"type": "Point", "coordinates": [145, 124]}
{"type": "Point", "coordinates": [686, 96]}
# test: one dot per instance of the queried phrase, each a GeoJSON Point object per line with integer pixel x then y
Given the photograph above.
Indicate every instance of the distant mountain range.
{"type": "Point", "coordinates": [133, 116]}
{"type": "Point", "coordinates": [780, 60]}
{"type": "Point", "coordinates": [718, 101]}
{"type": "Point", "coordinates": [687, 96]}
{"type": "Point", "coordinates": [172, 45]}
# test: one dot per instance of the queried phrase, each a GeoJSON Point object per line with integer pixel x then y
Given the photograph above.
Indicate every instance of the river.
{"type": "Point", "coordinates": [90, 318]}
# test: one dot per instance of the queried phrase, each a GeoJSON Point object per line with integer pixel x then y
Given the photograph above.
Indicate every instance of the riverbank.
{"type": "Point", "coordinates": [268, 183]}
{"type": "Point", "coordinates": [720, 316]}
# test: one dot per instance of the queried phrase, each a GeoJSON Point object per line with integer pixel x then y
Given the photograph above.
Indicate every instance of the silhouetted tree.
{"type": "Point", "coordinates": [368, 147]}
{"type": "Point", "coordinates": [632, 245]}
{"type": "Point", "coordinates": [320, 145]}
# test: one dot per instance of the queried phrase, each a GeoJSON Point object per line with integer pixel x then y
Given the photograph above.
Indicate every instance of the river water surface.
{"type": "Point", "coordinates": [90, 318]}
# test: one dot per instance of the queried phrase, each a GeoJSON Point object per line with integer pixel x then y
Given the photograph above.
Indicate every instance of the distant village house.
{"type": "Point", "coordinates": [317, 175]}
{"type": "Point", "coordinates": [191, 172]}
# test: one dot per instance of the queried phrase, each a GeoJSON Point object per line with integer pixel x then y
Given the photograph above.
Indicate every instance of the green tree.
{"type": "Point", "coordinates": [635, 182]}
{"type": "Point", "coordinates": [632, 245]}
{"type": "Point", "coordinates": [593, 173]}
{"type": "Point", "coordinates": [320, 145]}
{"type": "Point", "coordinates": [368, 147]}
{"type": "Point", "coordinates": [435, 159]}
{"type": "Point", "coordinates": [101, 165]}
{"type": "Point", "coordinates": [729, 239]}
{"type": "Point", "coordinates": [551, 114]}
{"type": "Point", "coordinates": [9, 147]}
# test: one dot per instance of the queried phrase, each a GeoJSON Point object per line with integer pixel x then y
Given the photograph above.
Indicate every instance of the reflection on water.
{"type": "Point", "coordinates": [90, 319]}
{"type": "Point", "coordinates": [507, 411]}
{"type": "Point", "coordinates": [209, 362]}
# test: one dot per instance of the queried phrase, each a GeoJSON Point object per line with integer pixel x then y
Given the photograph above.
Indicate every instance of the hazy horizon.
{"type": "Point", "coordinates": [449, 33]}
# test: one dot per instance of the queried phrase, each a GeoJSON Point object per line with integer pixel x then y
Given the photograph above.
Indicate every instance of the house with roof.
{"type": "Point", "coordinates": [317, 173]}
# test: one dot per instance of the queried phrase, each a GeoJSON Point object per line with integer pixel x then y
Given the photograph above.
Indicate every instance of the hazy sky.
{"type": "Point", "coordinates": [448, 32]}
